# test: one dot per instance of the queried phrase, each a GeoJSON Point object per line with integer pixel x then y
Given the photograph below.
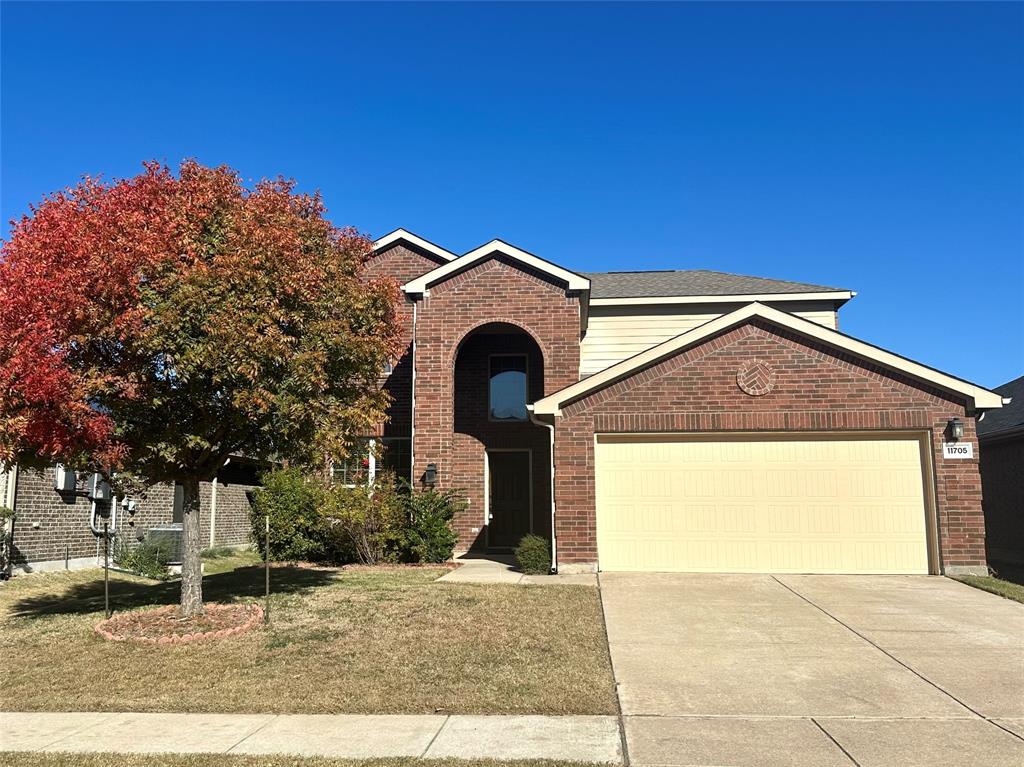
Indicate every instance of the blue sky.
{"type": "Point", "coordinates": [870, 146]}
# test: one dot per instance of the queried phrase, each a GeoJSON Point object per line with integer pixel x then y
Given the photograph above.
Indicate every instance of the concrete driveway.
{"type": "Point", "coordinates": [819, 670]}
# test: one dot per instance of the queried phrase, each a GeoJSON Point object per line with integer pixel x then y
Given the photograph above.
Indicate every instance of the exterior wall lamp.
{"type": "Point", "coordinates": [430, 475]}
{"type": "Point", "coordinates": [956, 429]}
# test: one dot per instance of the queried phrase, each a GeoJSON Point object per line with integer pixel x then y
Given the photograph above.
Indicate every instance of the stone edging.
{"type": "Point", "coordinates": [255, 617]}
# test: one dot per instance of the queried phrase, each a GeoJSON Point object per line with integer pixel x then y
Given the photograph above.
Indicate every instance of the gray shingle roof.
{"type": "Point", "coordinates": [1008, 417]}
{"type": "Point", "coordinates": [689, 282]}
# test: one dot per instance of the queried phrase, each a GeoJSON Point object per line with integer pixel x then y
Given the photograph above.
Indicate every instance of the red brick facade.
{"type": "Point", "coordinates": [493, 296]}
{"type": "Point", "coordinates": [401, 264]}
{"type": "Point", "coordinates": [815, 389]}
{"type": "Point", "coordinates": [753, 378]}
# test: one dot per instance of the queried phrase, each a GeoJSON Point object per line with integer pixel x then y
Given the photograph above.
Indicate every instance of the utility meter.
{"type": "Point", "coordinates": [99, 488]}
{"type": "Point", "coordinates": [64, 479]}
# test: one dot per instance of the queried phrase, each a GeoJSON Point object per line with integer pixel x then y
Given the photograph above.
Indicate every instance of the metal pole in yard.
{"type": "Point", "coordinates": [106, 570]}
{"type": "Point", "coordinates": [266, 594]}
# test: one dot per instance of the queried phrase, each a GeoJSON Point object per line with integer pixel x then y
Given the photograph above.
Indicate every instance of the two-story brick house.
{"type": "Point", "coordinates": [674, 420]}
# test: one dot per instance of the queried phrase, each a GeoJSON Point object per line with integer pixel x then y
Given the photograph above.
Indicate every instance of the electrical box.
{"type": "Point", "coordinates": [99, 488]}
{"type": "Point", "coordinates": [64, 479]}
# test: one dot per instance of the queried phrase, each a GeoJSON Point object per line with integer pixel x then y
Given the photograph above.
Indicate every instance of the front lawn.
{"type": "Point", "coordinates": [355, 640]}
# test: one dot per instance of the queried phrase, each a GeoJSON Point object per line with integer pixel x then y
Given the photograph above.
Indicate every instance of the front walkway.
{"type": "Point", "coordinates": [570, 738]}
{"type": "Point", "coordinates": [816, 670]}
{"type": "Point", "coordinates": [500, 569]}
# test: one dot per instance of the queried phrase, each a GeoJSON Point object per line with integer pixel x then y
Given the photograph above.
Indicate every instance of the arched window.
{"type": "Point", "coordinates": [508, 387]}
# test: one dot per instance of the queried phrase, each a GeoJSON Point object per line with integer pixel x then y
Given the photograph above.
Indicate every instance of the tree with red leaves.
{"type": "Point", "coordinates": [156, 325]}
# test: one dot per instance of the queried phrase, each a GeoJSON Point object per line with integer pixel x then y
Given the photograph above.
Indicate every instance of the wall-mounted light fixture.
{"type": "Point", "coordinates": [956, 429]}
{"type": "Point", "coordinates": [430, 475]}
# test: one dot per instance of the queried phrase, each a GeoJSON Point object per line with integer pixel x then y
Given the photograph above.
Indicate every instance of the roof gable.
{"type": "Point", "coordinates": [493, 248]}
{"type": "Point", "coordinates": [552, 404]}
{"type": "Point", "coordinates": [404, 236]}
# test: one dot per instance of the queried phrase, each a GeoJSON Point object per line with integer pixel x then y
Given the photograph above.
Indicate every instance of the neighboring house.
{"type": "Point", "coordinates": [1001, 438]}
{"type": "Point", "coordinates": [674, 420]}
{"type": "Point", "coordinates": [54, 529]}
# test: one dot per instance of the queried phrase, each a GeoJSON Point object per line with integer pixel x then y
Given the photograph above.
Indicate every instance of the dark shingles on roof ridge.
{"type": "Point", "coordinates": [1008, 417]}
{"type": "Point", "coordinates": [645, 271]}
{"type": "Point", "coordinates": [690, 282]}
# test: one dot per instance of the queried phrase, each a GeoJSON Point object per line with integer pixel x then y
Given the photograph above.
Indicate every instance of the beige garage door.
{"type": "Point", "coordinates": [761, 505]}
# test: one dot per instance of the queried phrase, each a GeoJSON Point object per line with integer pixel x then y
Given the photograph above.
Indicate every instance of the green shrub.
{"type": "Point", "coordinates": [344, 523]}
{"type": "Point", "coordinates": [366, 524]}
{"type": "Point", "coordinates": [429, 537]}
{"type": "Point", "coordinates": [291, 500]}
{"type": "Point", "coordinates": [148, 559]}
{"type": "Point", "coordinates": [533, 555]}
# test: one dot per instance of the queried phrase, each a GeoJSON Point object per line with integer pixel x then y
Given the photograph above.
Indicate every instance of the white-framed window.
{"type": "Point", "coordinates": [370, 457]}
{"type": "Point", "coordinates": [507, 387]}
{"type": "Point", "coordinates": [396, 457]}
{"type": "Point", "coordinates": [359, 467]}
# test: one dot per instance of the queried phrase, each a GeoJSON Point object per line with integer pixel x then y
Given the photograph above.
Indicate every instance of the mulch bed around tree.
{"type": "Point", "coordinates": [165, 626]}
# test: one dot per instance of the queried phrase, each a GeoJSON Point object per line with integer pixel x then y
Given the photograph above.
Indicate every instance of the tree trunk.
{"type": "Point", "coordinates": [191, 564]}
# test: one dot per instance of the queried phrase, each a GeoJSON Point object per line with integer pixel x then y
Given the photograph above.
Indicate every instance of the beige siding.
{"type": "Point", "coordinates": [615, 333]}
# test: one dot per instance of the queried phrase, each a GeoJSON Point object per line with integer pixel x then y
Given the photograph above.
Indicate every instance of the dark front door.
{"type": "Point", "coordinates": [509, 498]}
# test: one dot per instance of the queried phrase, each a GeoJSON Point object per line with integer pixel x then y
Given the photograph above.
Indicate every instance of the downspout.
{"type": "Point", "coordinates": [551, 472]}
{"type": "Point", "coordinates": [412, 415]}
{"type": "Point", "coordinates": [11, 488]}
{"type": "Point", "coordinates": [7, 525]}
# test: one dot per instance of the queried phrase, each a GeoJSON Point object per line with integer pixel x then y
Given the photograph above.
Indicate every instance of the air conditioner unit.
{"type": "Point", "coordinates": [64, 479]}
{"type": "Point", "coordinates": [170, 538]}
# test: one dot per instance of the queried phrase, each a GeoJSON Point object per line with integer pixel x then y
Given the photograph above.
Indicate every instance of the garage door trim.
{"type": "Point", "coordinates": [923, 438]}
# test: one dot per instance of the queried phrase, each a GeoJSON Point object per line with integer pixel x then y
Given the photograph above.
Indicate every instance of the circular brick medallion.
{"type": "Point", "coordinates": [756, 378]}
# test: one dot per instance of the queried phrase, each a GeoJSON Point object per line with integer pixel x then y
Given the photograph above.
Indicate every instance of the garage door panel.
{"type": "Point", "coordinates": [782, 505]}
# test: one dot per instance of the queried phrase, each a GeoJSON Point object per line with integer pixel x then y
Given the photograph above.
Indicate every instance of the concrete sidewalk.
{"type": "Point", "coordinates": [571, 738]}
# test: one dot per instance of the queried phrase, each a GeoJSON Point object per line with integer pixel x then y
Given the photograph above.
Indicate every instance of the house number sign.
{"type": "Point", "coordinates": [958, 450]}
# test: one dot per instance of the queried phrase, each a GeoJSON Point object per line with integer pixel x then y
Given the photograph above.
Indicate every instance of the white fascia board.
{"type": "Point", "coordinates": [401, 235]}
{"type": "Point", "coordinates": [836, 295]}
{"type": "Point", "coordinates": [573, 281]}
{"type": "Point", "coordinates": [551, 405]}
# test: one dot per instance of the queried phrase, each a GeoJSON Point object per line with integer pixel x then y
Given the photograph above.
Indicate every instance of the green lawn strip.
{"type": "Point", "coordinates": [385, 640]}
{"type": "Point", "coordinates": [1008, 589]}
{"type": "Point", "coordinates": [56, 759]}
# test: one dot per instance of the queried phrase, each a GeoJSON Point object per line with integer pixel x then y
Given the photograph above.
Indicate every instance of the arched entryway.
{"type": "Point", "coordinates": [500, 458]}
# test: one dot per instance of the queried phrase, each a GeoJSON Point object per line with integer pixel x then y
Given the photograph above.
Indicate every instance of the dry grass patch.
{"type": "Point", "coordinates": [231, 760]}
{"type": "Point", "coordinates": [385, 640]}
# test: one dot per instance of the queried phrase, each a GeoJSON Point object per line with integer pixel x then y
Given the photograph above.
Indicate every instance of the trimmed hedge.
{"type": "Point", "coordinates": [533, 555]}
